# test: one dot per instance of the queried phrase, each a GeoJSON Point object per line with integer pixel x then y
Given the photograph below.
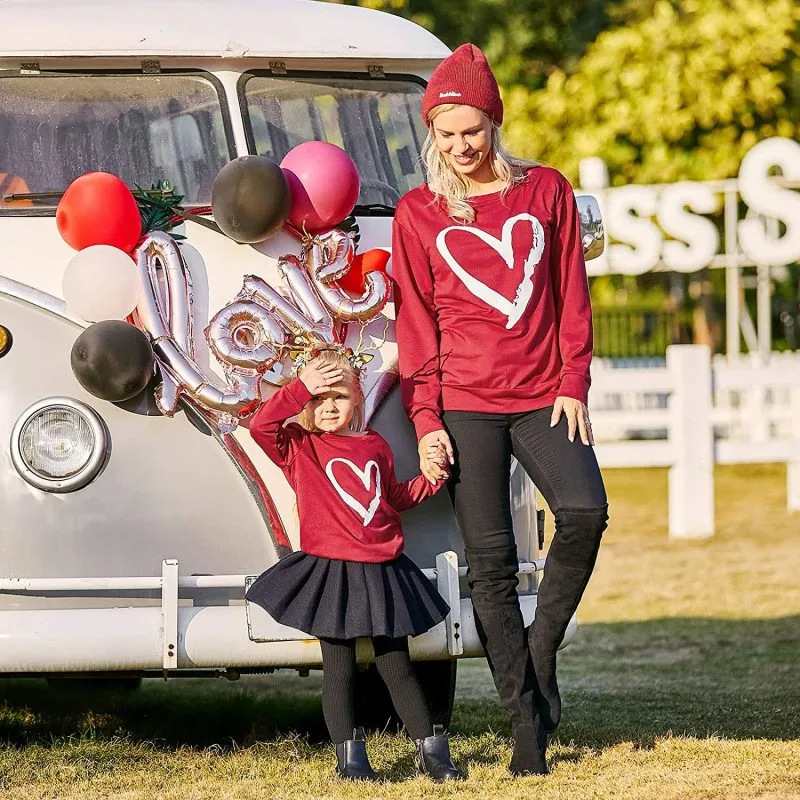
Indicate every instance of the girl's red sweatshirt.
{"type": "Point", "coordinates": [493, 316]}
{"type": "Point", "coordinates": [348, 498]}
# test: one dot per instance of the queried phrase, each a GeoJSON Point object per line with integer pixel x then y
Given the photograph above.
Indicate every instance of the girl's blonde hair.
{"type": "Point", "coordinates": [449, 185]}
{"type": "Point", "coordinates": [351, 378]}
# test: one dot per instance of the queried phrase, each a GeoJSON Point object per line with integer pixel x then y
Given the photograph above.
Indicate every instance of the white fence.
{"type": "Point", "coordinates": [694, 413]}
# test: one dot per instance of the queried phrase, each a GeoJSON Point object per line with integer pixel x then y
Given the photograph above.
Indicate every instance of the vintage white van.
{"type": "Point", "coordinates": [127, 536]}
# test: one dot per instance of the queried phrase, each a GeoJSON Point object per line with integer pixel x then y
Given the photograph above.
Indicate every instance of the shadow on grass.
{"type": "Point", "coordinates": [639, 681]}
{"type": "Point", "coordinates": [631, 682]}
{"type": "Point", "coordinates": [181, 713]}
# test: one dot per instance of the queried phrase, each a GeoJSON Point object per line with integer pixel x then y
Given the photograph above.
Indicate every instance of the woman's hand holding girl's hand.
{"type": "Point", "coordinates": [319, 377]}
{"type": "Point", "coordinates": [435, 451]}
{"type": "Point", "coordinates": [436, 454]}
{"type": "Point", "coordinates": [577, 418]}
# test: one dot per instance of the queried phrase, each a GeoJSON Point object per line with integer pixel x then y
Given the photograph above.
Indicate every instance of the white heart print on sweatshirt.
{"type": "Point", "coordinates": [366, 514]}
{"type": "Point", "coordinates": [504, 248]}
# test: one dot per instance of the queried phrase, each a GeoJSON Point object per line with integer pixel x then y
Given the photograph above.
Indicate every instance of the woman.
{"type": "Point", "coordinates": [495, 336]}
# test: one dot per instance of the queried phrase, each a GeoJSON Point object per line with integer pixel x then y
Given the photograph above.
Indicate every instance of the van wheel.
{"type": "Point", "coordinates": [374, 710]}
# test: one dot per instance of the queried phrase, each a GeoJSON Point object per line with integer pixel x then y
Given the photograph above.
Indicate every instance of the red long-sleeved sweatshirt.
{"type": "Point", "coordinates": [493, 316]}
{"type": "Point", "coordinates": [348, 498]}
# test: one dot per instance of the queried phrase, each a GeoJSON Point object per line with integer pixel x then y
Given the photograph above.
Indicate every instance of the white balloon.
{"type": "Point", "coordinates": [101, 282]}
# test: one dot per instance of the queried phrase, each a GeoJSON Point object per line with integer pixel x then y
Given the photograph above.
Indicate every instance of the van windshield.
{"type": "Point", "coordinates": [377, 121]}
{"type": "Point", "coordinates": [142, 128]}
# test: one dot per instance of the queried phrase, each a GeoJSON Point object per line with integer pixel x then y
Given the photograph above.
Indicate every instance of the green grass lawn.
{"type": "Point", "coordinates": [682, 682]}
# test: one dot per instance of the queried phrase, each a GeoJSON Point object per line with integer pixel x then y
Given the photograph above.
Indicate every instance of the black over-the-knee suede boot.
{"type": "Point", "coordinates": [492, 577]}
{"type": "Point", "coordinates": [569, 566]}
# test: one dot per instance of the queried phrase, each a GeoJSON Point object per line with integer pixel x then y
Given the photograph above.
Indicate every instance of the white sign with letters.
{"type": "Point", "coordinates": [677, 226]}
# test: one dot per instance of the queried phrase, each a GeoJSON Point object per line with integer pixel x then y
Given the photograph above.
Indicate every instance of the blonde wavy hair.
{"type": "Point", "coordinates": [450, 186]}
{"type": "Point", "coordinates": [351, 378]}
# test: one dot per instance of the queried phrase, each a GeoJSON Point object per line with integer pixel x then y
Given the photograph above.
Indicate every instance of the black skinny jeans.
{"type": "Point", "coordinates": [566, 473]}
{"type": "Point", "coordinates": [568, 477]}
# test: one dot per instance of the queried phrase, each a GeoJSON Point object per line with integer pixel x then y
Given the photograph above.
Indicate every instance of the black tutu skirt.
{"type": "Point", "coordinates": [335, 599]}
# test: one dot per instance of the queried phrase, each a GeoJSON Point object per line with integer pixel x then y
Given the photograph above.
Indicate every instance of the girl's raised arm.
{"type": "Point", "coordinates": [267, 425]}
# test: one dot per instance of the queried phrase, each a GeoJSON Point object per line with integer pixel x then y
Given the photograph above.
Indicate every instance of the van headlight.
{"type": "Point", "coordinates": [59, 444]}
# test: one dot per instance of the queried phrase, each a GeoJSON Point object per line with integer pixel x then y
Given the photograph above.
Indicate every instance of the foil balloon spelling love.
{"type": "Point", "coordinates": [254, 332]}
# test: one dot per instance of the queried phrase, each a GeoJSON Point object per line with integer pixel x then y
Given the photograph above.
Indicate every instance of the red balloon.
{"type": "Point", "coordinates": [370, 261]}
{"type": "Point", "coordinates": [324, 183]}
{"type": "Point", "coordinates": [98, 208]}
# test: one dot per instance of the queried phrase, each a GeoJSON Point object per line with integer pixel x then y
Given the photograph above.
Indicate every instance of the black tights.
{"type": "Point", "coordinates": [394, 667]}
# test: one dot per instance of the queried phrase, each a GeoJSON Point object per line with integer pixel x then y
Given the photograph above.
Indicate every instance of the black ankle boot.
{"type": "Point", "coordinates": [351, 759]}
{"type": "Point", "coordinates": [433, 754]}
{"type": "Point", "coordinates": [530, 748]}
{"type": "Point", "coordinates": [569, 566]}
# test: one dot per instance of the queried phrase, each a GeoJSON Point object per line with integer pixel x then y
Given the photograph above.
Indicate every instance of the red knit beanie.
{"type": "Point", "coordinates": [464, 78]}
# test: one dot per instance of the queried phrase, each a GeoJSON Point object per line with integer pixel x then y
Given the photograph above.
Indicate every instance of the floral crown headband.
{"type": "Point", "coordinates": [308, 349]}
{"type": "Point", "coordinates": [356, 360]}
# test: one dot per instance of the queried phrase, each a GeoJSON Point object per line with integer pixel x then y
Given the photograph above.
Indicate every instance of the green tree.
{"type": "Point", "coordinates": [679, 93]}
{"type": "Point", "coordinates": [525, 40]}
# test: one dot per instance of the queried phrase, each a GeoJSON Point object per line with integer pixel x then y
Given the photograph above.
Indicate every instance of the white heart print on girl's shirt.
{"type": "Point", "coordinates": [366, 514]}
{"type": "Point", "coordinates": [504, 248]}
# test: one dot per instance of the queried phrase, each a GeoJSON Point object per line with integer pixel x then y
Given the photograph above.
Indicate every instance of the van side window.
{"type": "Point", "coordinates": [376, 121]}
{"type": "Point", "coordinates": [142, 128]}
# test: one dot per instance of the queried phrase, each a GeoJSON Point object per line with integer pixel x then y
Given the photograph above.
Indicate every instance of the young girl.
{"type": "Point", "coordinates": [350, 579]}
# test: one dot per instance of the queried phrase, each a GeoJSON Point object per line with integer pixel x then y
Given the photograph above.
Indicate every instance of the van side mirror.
{"type": "Point", "coordinates": [592, 233]}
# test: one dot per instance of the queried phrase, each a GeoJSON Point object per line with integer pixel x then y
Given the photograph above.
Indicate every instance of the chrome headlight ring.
{"type": "Point", "coordinates": [65, 435]}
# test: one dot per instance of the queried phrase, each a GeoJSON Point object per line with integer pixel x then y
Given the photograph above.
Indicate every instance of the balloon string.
{"type": "Point", "coordinates": [196, 215]}
{"type": "Point", "coordinates": [289, 228]}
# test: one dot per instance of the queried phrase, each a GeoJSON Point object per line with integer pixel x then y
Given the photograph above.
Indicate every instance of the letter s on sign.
{"type": "Point", "coordinates": [765, 197]}
{"type": "Point", "coordinates": [697, 237]}
{"type": "Point", "coordinates": [641, 237]}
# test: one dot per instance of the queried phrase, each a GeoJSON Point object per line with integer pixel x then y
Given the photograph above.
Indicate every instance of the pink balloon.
{"type": "Point", "coordinates": [324, 183]}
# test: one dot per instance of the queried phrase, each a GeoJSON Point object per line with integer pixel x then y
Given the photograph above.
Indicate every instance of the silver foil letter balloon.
{"type": "Point", "coordinates": [245, 337]}
{"type": "Point", "coordinates": [330, 255]}
{"type": "Point", "coordinates": [167, 319]}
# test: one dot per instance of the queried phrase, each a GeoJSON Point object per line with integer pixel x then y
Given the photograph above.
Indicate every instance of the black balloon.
{"type": "Point", "coordinates": [112, 360]}
{"type": "Point", "coordinates": [250, 199]}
